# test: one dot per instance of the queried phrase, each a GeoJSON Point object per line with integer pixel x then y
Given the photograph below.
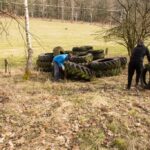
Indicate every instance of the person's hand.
{"type": "Point", "coordinates": [63, 68]}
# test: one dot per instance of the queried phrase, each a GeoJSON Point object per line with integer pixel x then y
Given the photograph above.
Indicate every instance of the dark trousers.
{"type": "Point", "coordinates": [58, 72]}
{"type": "Point", "coordinates": [134, 66]}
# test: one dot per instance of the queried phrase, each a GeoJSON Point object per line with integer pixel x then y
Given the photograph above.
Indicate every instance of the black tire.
{"type": "Point", "coordinates": [87, 47]}
{"type": "Point", "coordinates": [44, 62]}
{"type": "Point", "coordinates": [105, 64]}
{"type": "Point", "coordinates": [145, 84]}
{"type": "Point", "coordinates": [79, 53]}
{"type": "Point", "coordinates": [77, 71]}
{"type": "Point", "coordinates": [81, 50]}
{"type": "Point", "coordinates": [46, 57]}
{"type": "Point", "coordinates": [97, 54]}
{"type": "Point", "coordinates": [68, 52]}
{"type": "Point", "coordinates": [107, 73]}
{"type": "Point", "coordinates": [123, 61]}
{"type": "Point", "coordinates": [85, 65]}
{"type": "Point", "coordinates": [83, 58]}
{"type": "Point", "coordinates": [106, 67]}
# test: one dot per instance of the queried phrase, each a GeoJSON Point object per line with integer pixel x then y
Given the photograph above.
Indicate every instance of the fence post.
{"type": "Point", "coordinates": [7, 66]}
{"type": "Point", "coordinates": [106, 51]}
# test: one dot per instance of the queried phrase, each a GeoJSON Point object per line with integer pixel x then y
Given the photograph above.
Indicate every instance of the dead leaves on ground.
{"type": "Point", "coordinates": [96, 115]}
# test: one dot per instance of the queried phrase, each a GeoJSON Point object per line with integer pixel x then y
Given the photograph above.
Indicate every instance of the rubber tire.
{"type": "Point", "coordinates": [80, 53]}
{"type": "Point", "coordinates": [82, 58]}
{"type": "Point", "coordinates": [77, 71]}
{"type": "Point", "coordinates": [106, 67]}
{"type": "Point", "coordinates": [46, 57]}
{"type": "Point", "coordinates": [107, 73]}
{"type": "Point", "coordinates": [84, 64]}
{"type": "Point", "coordinates": [143, 77]}
{"type": "Point", "coordinates": [87, 47]}
{"type": "Point", "coordinates": [82, 49]}
{"type": "Point", "coordinates": [44, 62]}
{"type": "Point", "coordinates": [123, 61]}
{"type": "Point", "coordinates": [97, 54]}
{"type": "Point", "coordinates": [105, 64]}
{"type": "Point", "coordinates": [68, 52]}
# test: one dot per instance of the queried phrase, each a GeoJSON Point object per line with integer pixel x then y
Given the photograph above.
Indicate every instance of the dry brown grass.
{"type": "Point", "coordinates": [41, 114]}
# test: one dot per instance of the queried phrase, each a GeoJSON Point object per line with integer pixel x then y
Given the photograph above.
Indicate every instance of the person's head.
{"type": "Point", "coordinates": [140, 42]}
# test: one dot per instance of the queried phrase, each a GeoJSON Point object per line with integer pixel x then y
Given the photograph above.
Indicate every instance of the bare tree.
{"type": "Point", "coordinates": [43, 8]}
{"type": "Point", "coordinates": [72, 10]}
{"type": "Point", "coordinates": [28, 40]}
{"type": "Point", "coordinates": [62, 10]}
{"type": "Point", "coordinates": [134, 23]}
{"type": "Point", "coordinates": [91, 12]}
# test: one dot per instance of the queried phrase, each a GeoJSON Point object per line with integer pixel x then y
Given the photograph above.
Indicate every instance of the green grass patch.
{"type": "Point", "coordinates": [91, 138]}
{"type": "Point", "coordinates": [48, 34]}
{"type": "Point", "coordinates": [120, 143]}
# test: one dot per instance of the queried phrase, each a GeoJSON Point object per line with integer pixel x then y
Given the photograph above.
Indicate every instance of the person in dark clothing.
{"type": "Point", "coordinates": [136, 62]}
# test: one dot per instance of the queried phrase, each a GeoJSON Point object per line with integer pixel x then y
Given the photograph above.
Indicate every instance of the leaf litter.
{"type": "Point", "coordinates": [40, 114]}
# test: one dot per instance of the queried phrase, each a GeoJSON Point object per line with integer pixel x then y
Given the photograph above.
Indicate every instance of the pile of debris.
{"type": "Point", "coordinates": [86, 64]}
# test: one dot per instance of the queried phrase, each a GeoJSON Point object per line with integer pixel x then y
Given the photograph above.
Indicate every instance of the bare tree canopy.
{"type": "Point", "coordinates": [79, 10]}
{"type": "Point", "coordinates": [132, 24]}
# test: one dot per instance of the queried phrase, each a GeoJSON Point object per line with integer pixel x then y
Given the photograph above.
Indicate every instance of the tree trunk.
{"type": "Point", "coordinates": [28, 41]}
{"type": "Point", "coordinates": [72, 10]}
{"type": "Point", "coordinates": [62, 10]}
{"type": "Point", "coordinates": [91, 12]}
{"type": "Point", "coordinates": [91, 15]}
{"type": "Point", "coordinates": [43, 8]}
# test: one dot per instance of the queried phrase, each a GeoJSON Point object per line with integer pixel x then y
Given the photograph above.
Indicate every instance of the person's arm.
{"type": "Point", "coordinates": [148, 54]}
{"type": "Point", "coordinates": [62, 66]}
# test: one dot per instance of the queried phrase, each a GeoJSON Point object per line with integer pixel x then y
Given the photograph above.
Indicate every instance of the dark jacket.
{"type": "Point", "coordinates": [138, 54]}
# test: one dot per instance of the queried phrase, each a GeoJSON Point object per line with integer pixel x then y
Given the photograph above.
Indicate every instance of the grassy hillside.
{"type": "Point", "coordinates": [49, 34]}
{"type": "Point", "coordinates": [45, 115]}
{"type": "Point", "coordinates": [97, 115]}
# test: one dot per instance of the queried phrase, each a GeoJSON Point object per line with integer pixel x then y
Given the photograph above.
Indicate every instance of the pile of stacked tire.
{"type": "Point", "coordinates": [44, 61]}
{"type": "Point", "coordinates": [86, 63]}
{"type": "Point", "coordinates": [145, 77]}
